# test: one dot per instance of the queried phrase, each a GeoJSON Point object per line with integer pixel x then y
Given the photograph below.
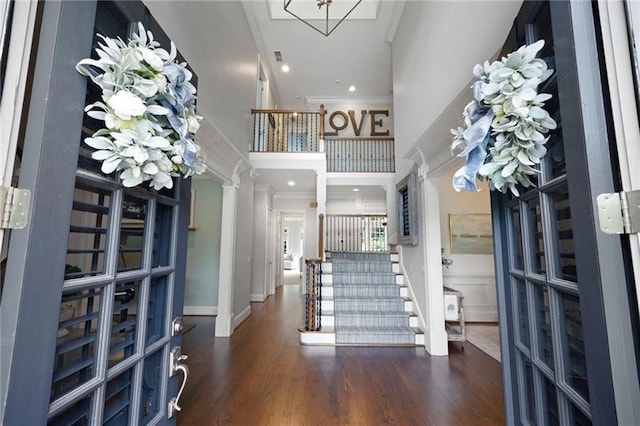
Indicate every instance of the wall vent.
{"type": "Point", "coordinates": [278, 55]}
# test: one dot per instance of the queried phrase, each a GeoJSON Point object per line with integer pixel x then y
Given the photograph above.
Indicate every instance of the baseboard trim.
{"type": "Point", "coordinates": [200, 310]}
{"type": "Point", "coordinates": [257, 297]}
{"type": "Point", "coordinates": [237, 320]}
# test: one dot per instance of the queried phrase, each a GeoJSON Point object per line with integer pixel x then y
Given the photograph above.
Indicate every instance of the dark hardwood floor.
{"type": "Point", "coordinates": [263, 376]}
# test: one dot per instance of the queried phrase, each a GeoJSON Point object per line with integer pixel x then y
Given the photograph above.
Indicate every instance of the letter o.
{"type": "Point", "coordinates": [345, 120]}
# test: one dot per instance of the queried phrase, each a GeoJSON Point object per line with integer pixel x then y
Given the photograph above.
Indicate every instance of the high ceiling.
{"type": "Point", "coordinates": [322, 68]}
{"type": "Point", "coordinates": [358, 53]}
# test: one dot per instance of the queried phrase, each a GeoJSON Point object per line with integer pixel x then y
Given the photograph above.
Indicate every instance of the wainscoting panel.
{"type": "Point", "coordinates": [479, 291]}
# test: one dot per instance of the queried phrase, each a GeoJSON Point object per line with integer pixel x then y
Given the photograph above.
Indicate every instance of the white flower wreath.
{"type": "Point", "coordinates": [504, 126]}
{"type": "Point", "coordinates": [148, 107]}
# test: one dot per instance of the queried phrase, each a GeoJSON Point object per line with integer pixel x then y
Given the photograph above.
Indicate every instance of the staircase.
{"type": "Point", "coordinates": [364, 302]}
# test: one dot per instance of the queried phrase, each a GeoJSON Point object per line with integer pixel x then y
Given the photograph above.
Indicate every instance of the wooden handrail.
{"type": "Point", "coordinates": [359, 138]}
{"type": "Point", "coordinates": [358, 215]}
{"type": "Point", "coordinates": [280, 111]}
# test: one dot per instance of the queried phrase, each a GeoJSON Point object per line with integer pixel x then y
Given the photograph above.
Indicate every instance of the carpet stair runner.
{"type": "Point", "coordinates": [368, 307]}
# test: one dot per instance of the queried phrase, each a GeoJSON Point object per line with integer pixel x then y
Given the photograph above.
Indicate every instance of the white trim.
{"type": "Point", "coordinates": [295, 196]}
{"type": "Point", "coordinates": [363, 100]}
{"type": "Point", "coordinates": [472, 275]}
{"type": "Point", "coordinates": [257, 298]}
{"type": "Point", "coordinates": [227, 239]}
{"type": "Point", "coordinates": [11, 102]}
{"type": "Point", "coordinates": [436, 340]}
{"type": "Point", "coordinates": [237, 319]}
{"type": "Point", "coordinates": [200, 310]}
{"type": "Point", "coordinates": [623, 106]}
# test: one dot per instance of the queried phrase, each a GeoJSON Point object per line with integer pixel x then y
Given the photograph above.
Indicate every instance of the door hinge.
{"type": "Point", "coordinates": [619, 213]}
{"type": "Point", "coordinates": [14, 206]}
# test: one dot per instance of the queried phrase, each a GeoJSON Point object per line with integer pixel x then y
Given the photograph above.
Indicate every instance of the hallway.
{"type": "Point", "coordinates": [263, 376]}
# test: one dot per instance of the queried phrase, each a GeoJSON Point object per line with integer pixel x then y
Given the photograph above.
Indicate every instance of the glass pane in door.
{"type": "Point", "coordinates": [151, 387]}
{"type": "Point", "coordinates": [117, 404]}
{"type": "Point", "coordinates": [88, 232]}
{"type": "Point", "coordinates": [523, 312]}
{"type": "Point", "coordinates": [124, 325]}
{"type": "Point", "coordinates": [573, 342]}
{"type": "Point", "coordinates": [78, 414]}
{"type": "Point", "coordinates": [565, 256]}
{"type": "Point", "coordinates": [132, 232]}
{"type": "Point", "coordinates": [551, 403]}
{"type": "Point", "coordinates": [157, 308]}
{"type": "Point", "coordinates": [543, 325]}
{"type": "Point", "coordinates": [528, 398]}
{"type": "Point", "coordinates": [162, 247]}
{"type": "Point", "coordinates": [76, 344]}
{"type": "Point", "coordinates": [535, 236]}
{"type": "Point", "coordinates": [578, 418]}
{"type": "Point", "coordinates": [516, 238]}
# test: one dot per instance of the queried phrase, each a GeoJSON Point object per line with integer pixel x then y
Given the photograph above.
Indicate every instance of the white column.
{"type": "Point", "coordinates": [436, 336]}
{"type": "Point", "coordinates": [224, 319]}
{"type": "Point", "coordinates": [321, 191]}
{"type": "Point", "coordinates": [321, 199]}
{"type": "Point", "coordinates": [392, 214]}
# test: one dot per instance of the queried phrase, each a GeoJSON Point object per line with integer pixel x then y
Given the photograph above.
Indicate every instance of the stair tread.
{"type": "Point", "coordinates": [327, 313]}
{"type": "Point", "coordinates": [373, 274]}
{"type": "Point", "coordinates": [372, 329]}
{"type": "Point", "coordinates": [351, 312]}
{"type": "Point", "coordinates": [365, 285]}
{"type": "Point", "coordinates": [329, 298]}
{"type": "Point", "coordinates": [342, 284]}
{"type": "Point", "coordinates": [386, 273]}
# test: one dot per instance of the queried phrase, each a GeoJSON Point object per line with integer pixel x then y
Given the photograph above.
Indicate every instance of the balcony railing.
{"type": "Point", "coordinates": [355, 232]}
{"type": "Point", "coordinates": [297, 131]}
{"type": "Point", "coordinates": [365, 155]}
{"type": "Point", "coordinates": [285, 131]}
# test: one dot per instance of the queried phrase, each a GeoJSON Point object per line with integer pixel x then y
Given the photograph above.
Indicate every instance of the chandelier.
{"type": "Point", "coordinates": [291, 6]}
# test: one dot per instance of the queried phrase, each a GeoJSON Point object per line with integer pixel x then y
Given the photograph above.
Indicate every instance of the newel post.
{"type": "Point", "coordinates": [322, 113]}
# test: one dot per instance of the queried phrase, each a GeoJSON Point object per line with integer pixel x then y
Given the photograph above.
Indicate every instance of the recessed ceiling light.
{"type": "Point", "coordinates": [356, 189]}
{"type": "Point", "coordinates": [352, 88]}
{"type": "Point", "coordinates": [291, 183]}
{"type": "Point", "coordinates": [285, 68]}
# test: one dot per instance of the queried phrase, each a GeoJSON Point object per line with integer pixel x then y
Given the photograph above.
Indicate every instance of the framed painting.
{"type": "Point", "coordinates": [470, 233]}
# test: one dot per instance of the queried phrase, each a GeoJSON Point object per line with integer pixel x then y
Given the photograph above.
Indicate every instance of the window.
{"type": "Point", "coordinates": [407, 211]}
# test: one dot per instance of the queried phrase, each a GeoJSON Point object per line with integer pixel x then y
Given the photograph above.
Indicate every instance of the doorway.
{"type": "Point", "coordinates": [292, 248]}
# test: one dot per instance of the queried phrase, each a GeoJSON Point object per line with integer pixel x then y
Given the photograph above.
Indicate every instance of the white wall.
{"type": "Point", "coordinates": [370, 204]}
{"type": "Point", "coordinates": [435, 47]}
{"type": "Point", "coordinates": [227, 72]}
{"type": "Point", "coordinates": [433, 61]}
{"type": "Point", "coordinates": [472, 274]}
